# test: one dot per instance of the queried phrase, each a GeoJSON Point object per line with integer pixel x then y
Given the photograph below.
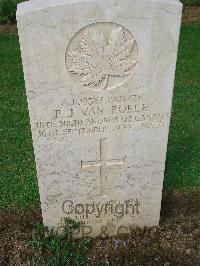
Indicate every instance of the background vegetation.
{"type": "Point", "coordinates": [48, 248]}
{"type": "Point", "coordinates": [8, 10]}
{"type": "Point", "coordinates": [191, 2]}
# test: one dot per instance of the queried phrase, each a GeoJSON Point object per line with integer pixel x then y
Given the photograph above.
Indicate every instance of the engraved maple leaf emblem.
{"type": "Point", "coordinates": [99, 57]}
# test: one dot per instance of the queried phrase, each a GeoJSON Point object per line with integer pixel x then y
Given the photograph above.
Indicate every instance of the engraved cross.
{"type": "Point", "coordinates": [102, 163]}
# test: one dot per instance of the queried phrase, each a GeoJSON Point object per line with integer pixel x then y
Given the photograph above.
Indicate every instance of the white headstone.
{"type": "Point", "coordinates": [99, 79]}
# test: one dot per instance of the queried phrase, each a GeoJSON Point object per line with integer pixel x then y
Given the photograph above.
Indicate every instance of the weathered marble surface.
{"type": "Point", "coordinates": [99, 79]}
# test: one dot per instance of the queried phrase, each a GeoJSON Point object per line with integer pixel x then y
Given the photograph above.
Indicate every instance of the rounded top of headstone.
{"type": "Point", "coordinates": [32, 5]}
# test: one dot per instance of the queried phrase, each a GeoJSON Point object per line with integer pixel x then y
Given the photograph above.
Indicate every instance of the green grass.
{"type": "Point", "coordinates": [18, 182]}
{"type": "Point", "coordinates": [48, 248]}
{"type": "Point", "coordinates": [191, 2]}
{"type": "Point", "coordinates": [8, 10]}
{"type": "Point", "coordinates": [183, 157]}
